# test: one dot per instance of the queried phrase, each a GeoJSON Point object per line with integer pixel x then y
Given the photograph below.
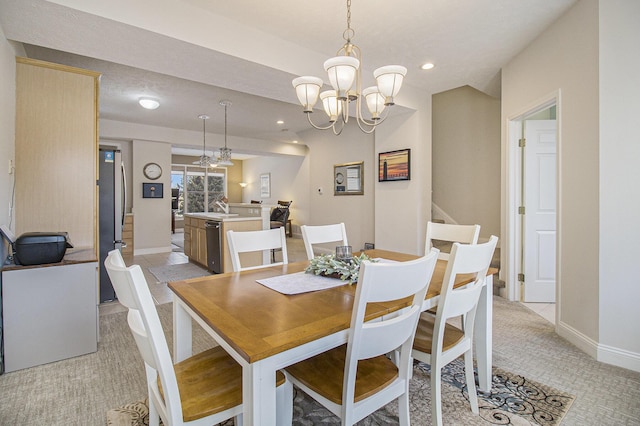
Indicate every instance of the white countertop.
{"type": "Point", "coordinates": [222, 217]}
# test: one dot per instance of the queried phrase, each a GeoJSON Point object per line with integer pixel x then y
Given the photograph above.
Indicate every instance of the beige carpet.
{"type": "Point", "coordinates": [80, 391]}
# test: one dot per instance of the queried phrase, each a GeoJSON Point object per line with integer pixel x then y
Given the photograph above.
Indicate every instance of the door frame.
{"type": "Point", "coordinates": [512, 167]}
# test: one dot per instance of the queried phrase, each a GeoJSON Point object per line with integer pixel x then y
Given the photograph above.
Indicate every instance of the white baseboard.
{"type": "Point", "coordinates": [603, 353]}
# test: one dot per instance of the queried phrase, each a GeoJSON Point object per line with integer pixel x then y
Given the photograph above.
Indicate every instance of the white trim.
{"type": "Point", "coordinates": [602, 353]}
{"type": "Point", "coordinates": [438, 213]}
{"type": "Point", "coordinates": [582, 341]}
{"type": "Point", "coordinates": [511, 194]}
{"type": "Point", "coordinates": [619, 357]}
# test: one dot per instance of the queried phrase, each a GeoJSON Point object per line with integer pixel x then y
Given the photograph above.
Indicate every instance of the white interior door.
{"type": "Point", "coordinates": [539, 246]}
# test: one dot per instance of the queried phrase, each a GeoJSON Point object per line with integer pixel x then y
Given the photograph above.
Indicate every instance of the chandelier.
{"type": "Point", "coordinates": [225, 153]}
{"type": "Point", "coordinates": [345, 75]}
{"type": "Point", "coordinates": [205, 160]}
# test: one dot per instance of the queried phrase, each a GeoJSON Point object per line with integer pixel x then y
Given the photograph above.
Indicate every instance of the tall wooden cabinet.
{"type": "Point", "coordinates": [56, 150]}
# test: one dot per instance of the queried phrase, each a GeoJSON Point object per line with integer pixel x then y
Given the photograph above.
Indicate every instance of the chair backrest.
{"type": "Point", "coordinates": [381, 282]}
{"type": "Point", "coordinates": [133, 292]}
{"type": "Point", "coordinates": [468, 259]}
{"type": "Point", "coordinates": [465, 234]}
{"type": "Point", "coordinates": [323, 234]}
{"type": "Point", "coordinates": [252, 241]}
{"type": "Point", "coordinates": [284, 203]}
{"type": "Point", "coordinates": [280, 213]}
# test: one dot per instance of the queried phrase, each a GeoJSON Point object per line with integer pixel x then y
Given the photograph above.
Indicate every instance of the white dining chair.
{"type": "Point", "coordinates": [465, 234]}
{"type": "Point", "coordinates": [320, 234]}
{"type": "Point", "coordinates": [254, 241]}
{"type": "Point", "coordinates": [354, 380]}
{"type": "Point", "coordinates": [437, 342]}
{"type": "Point", "coordinates": [205, 389]}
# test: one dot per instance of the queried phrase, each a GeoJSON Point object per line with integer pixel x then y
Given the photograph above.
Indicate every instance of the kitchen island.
{"type": "Point", "coordinates": [241, 217]}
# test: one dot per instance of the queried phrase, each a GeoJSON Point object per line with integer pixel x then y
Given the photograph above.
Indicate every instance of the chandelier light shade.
{"type": "Point", "coordinates": [307, 89]}
{"type": "Point", "coordinates": [345, 76]}
{"type": "Point", "coordinates": [342, 72]}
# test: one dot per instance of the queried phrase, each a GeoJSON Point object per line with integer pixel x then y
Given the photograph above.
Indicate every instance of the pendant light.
{"type": "Point", "coordinates": [225, 153]}
{"type": "Point", "coordinates": [205, 160]}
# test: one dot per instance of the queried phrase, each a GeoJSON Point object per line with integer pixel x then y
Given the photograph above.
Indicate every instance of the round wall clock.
{"type": "Point", "coordinates": [339, 178]}
{"type": "Point", "coordinates": [152, 171]}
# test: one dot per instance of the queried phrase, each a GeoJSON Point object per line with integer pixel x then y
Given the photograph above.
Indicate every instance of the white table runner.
{"type": "Point", "coordinates": [300, 282]}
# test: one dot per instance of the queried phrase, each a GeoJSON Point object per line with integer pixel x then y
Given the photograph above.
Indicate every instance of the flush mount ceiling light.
{"type": "Point", "coordinates": [427, 66]}
{"type": "Point", "coordinates": [346, 78]}
{"type": "Point", "coordinates": [148, 103]}
{"type": "Point", "coordinates": [205, 160]}
{"type": "Point", "coordinates": [225, 153]}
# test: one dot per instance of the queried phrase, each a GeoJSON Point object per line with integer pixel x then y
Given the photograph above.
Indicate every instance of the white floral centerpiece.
{"type": "Point", "coordinates": [327, 265]}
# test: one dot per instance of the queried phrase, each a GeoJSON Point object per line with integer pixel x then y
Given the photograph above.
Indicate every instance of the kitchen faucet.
{"type": "Point", "coordinates": [223, 205]}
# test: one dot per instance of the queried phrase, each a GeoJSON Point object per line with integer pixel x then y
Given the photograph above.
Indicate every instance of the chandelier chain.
{"type": "Point", "coordinates": [349, 32]}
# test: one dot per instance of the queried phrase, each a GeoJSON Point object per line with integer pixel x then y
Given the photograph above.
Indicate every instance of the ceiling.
{"type": "Point", "coordinates": [190, 54]}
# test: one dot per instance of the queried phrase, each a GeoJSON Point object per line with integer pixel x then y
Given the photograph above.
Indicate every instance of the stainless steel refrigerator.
{"type": "Point", "coordinates": [112, 206]}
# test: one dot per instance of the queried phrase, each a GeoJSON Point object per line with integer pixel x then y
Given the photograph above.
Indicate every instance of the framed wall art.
{"type": "Point", "coordinates": [265, 185]}
{"type": "Point", "coordinates": [348, 178]}
{"type": "Point", "coordinates": [152, 190]}
{"type": "Point", "coordinates": [394, 165]}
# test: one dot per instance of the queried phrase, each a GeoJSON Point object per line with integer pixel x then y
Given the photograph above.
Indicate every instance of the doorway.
{"type": "Point", "coordinates": [531, 258]}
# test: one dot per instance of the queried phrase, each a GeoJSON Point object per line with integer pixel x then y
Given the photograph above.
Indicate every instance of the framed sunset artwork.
{"type": "Point", "coordinates": [394, 165]}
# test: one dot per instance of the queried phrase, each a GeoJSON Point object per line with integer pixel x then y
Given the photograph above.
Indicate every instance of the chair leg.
{"type": "Point", "coordinates": [237, 420]}
{"type": "Point", "coordinates": [154, 416]}
{"type": "Point", "coordinates": [403, 408]}
{"type": "Point", "coordinates": [436, 394]}
{"type": "Point", "coordinates": [471, 383]}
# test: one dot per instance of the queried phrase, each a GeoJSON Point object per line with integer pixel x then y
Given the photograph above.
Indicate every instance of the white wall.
{"type": "Point", "coordinates": [289, 182]}
{"type": "Point", "coordinates": [597, 209]}
{"type": "Point", "coordinates": [7, 133]}
{"type": "Point", "coordinates": [466, 157]}
{"type": "Point", "coordinates": [151, 216]}
{"type": "Point", "coordinates": [619, 179]}
{"type": "Point", "coordinates": [356, 211]}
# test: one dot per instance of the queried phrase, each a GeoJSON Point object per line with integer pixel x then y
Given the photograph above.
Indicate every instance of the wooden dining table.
{"type": "Point", "coordinates": [264, 330]}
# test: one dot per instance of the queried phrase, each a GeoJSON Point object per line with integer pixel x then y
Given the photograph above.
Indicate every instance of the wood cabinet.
{"type": "Point", "coordinates": [127, 235]}
{"type": "Point", "coordinates": [56, 151]}
{"type": "Point", "coordinates": [195, 241]}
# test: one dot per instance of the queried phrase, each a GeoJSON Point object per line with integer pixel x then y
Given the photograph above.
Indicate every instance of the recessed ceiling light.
{"type": "Point", "coordinates": [149, 103]}
{"type": "Point", "coordinates": [427, 66]}
{"type": "Point", "coordinates": [279, 122]}
{"type": "Point", "coordinates": [294, 141]}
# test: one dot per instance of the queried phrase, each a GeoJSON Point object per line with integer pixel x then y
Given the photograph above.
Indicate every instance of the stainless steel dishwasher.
{"type": "Point", "coordinates": [214, 246]}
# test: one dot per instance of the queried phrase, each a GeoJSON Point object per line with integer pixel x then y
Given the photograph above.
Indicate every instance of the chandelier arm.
{"type": "Point", "coordinates": [338, 132]}
{"type": "Point", "coordinates": [318, 127]}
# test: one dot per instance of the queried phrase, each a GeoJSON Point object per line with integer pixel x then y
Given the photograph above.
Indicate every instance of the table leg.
{"type": "Point", "coordinates": [182, 332]}
{"type": "Point", "coordinates": [258, 394]}
{"type": "Point", "coordinates": [484, 335]}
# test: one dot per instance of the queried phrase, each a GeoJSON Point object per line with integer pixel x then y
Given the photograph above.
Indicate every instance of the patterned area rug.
{"type": "Point", "coordinates": [513, 400]}
{"type": "Point", "coordinates": [181, 271]}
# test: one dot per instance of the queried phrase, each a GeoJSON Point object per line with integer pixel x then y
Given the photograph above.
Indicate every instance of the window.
{"type": "Point", "coordinates": [191, 183]}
